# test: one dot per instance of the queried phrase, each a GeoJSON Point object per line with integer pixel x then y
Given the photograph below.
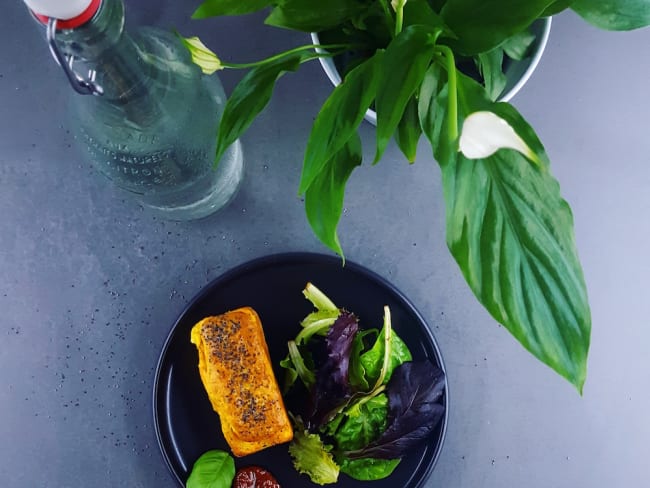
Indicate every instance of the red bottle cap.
{"type": "Point", "coordinates": [74, 22]}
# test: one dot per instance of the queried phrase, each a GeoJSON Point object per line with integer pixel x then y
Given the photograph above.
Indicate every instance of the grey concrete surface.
{"type": "Point", "coordinates": [91, 284]}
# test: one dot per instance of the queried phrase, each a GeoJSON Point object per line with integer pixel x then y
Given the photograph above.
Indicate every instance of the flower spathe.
{"type": "Point", "coordinates": [484, 133]}
{"type": "Point", "coordinates": [208, 61]}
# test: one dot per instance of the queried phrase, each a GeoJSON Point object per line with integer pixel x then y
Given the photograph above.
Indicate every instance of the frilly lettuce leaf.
{"type": "Point", "coordinates": [312, 457]}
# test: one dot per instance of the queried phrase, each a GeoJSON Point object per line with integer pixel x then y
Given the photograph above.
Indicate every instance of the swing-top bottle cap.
{"type": "Point", "coordinates": [69, 13]}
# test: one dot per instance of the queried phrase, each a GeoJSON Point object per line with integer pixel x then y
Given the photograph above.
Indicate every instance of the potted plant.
{"type": "Point", "coordinates": [507, 225]}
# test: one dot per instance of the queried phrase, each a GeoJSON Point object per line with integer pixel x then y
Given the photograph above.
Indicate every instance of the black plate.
{"type": "Point", "coordinates": [186, 425]}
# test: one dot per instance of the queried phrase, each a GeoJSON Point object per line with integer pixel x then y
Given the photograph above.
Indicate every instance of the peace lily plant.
{"type": "Point", "coordinates": [507, 225]}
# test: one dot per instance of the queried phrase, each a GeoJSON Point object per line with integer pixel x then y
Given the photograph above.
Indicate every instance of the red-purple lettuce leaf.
{"type": "Point", "coordinates": [415, 395]}
{"type": "Point", "coordinates": [332, 388]}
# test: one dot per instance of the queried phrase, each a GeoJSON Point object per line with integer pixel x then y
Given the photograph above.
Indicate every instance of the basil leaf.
{"type": "Point", "coordinates": [484, 24]}
{"type": "Point", "coordinates": [214, 8]}
{"type": "Point", "coordinates": [250, 96]}
{"type": "Point", "coordinates": [511, 233]}
{"type": "Point", "coordinates": [369, 469]}
{"type": "Point", "coordinates": [490, 66]}
{"type": "Point", "coordinates": [614, 14]}
{"type": "Point", "coordinates": [214, 469]}
{"type": "Point", "coordinates": [325, 195]}
{"type": "Point", "coordinates": [403, 67]}
{"type": "Point", "coordinates": [304, 15]}
{"type": "Point", "coordinates": [339, 118]}
{"type": "Point", "coordinates": [409, 131]}
{"type": "Point", "coordinates": [363, 423]}
{"type": "Point", "coordinates": [518, 46]}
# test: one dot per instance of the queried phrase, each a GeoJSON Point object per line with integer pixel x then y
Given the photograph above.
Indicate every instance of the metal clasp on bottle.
{"type": "Point", "coordinates": [81, 85]}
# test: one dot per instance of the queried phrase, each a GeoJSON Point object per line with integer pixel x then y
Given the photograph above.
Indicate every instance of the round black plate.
{"type": "Point", "coordinates": [186, 425]}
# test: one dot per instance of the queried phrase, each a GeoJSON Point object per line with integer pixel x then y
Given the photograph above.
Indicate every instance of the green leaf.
{"type": "Point", "coordinates": [214, 469]}
{"type": "Point", "coordinates": [484, 24]}
{"type": "Point", "coordinates": [290, 373]}
{"type": "Point", "coordinates": [215, 8]}
{"type": "Point", "coordinates": [420, 12]}
{"type": "Point", "coordinates": [339, 118]}
{"type": "Point", "coordinates": [617, 15]}
{"type": "Point", "coordinates": [372, 360]}
{"type": "Point", "coordinates": [312, 457]}
{"type": "Point", "coordinates": [324, 197]}
{"type": "Point", "coordinates": [304, 15]}
{"type": "Point", "coordinates": [518, 46]}
{"type": "Point", "coordinates": [405, 63]}
{"type": "Point", "coordinates": [432, 106]}
{"type": "Point", "coordinates": [490, 66]}
{"type": "Point", "coordinates": [357, 373]}
{"type": "Point", "coordinates": [557, 7]}
{"type": "Point", "coordinates": [369, 469]}
{"type": "Point", "coordinates": [319, 300]}
{"type": "Point", "coordinates": [409, 131]}
{"type": "Point", "coordinates": [363, 423]}
{"type": "Point", "coordinates": [250, 96]}
{"type": "Point", "coordinates": [511, 233]}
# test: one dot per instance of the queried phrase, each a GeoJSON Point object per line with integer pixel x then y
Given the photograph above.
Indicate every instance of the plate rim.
{"type": "Point", "coordinates": [288, 257]}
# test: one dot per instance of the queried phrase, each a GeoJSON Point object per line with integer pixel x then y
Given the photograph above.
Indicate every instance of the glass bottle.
{"type": "Point", "coordinates": [153, 128]}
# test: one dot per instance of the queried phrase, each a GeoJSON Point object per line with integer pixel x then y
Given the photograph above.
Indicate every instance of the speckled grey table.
{"type": "Point", "coordinates": [90, 283]}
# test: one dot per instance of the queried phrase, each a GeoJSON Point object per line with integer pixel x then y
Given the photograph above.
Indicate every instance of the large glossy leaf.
{"type": "Point", "coordinates": [435, 79]}
{"type": "Point", "coordinates": [305, 15]}
{"type": "Point", "coordinates": [339, 118]}
{"type": "Point", "coordinates": [405, 62]}
{"type": "Point", "coordinates": [484, 24]}
{"type": "Point", "coordinates": [490, 66]}
{"type": "Point", "coordinates": [421, 12]}
{"type": "Point", "coordinates": [511, 233]}
{"type": "Point", "coordinates": [214, 8]}
{"type": "Point", "coordinates": [614, 14]}
{"type": "Point", "coordinates": [409, 131]}
{"type": "Point", "coordinates": [324, 197]}
{"type": "Point", "coordinates": [250, 96]}
{"type": "Point", "coordinates": [557, 7]}
{"type": "Point", "coordinates": [512, 236]}
{"type": "Point", "coordinates": [518, 46]}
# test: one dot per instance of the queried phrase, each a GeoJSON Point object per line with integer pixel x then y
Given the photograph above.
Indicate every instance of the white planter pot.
{"type": "Point", "coordinates": [517, 73]}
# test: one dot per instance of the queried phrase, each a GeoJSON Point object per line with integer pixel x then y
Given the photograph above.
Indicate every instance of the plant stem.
{"type": "Point", "coordinates": [453, 92]}
{"type": "Point", "coordinates": [285, 53]}
{"type": "Point", "coordinates": [399, 19]}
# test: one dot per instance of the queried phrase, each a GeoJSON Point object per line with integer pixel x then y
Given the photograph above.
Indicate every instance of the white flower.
{"type": "Point", "coordinates": [397, 4]}
{"type": "Point", "coordinates": [484, 133]}
{"type": "Point", "coordinates": [201, 55]}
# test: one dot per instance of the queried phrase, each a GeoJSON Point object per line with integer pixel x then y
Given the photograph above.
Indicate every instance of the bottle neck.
{"type": "Point", "coordinates": [103, 46]}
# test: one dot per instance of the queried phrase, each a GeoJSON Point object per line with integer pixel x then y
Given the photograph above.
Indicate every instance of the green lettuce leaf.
{"type": "Point", "coordinates": [369, 469]}
{"type": "Point", "coordinates": [312, 457]}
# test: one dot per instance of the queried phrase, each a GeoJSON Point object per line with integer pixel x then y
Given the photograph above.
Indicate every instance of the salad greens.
{"type": "Point", "coordinates": [367, 402]}
{"type": "Point", "coordinates": [214, 469]}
